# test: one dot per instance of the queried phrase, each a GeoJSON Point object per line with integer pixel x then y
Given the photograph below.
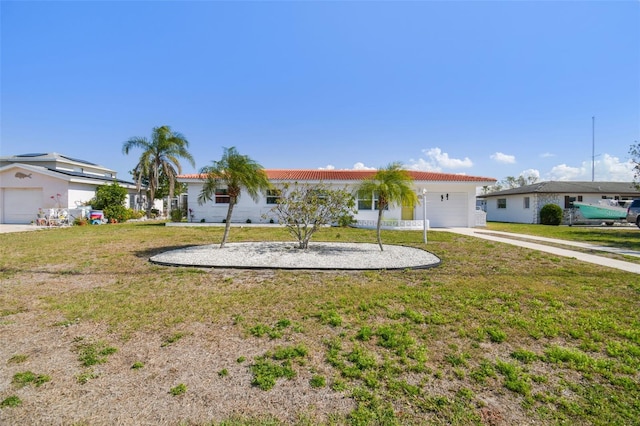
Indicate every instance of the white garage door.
{"type": "Point", "coordinates": [447, 209]}
{"type": "Point", "coordinates": [21, 205]}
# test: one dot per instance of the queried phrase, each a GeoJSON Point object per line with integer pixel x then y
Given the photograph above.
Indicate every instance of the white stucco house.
{"type": "Point", "coordinates": [30, 182]}
{"type": "Point", "coordinates": [450, 198]}
{"type": "Point", "coordinates": [523, 204]}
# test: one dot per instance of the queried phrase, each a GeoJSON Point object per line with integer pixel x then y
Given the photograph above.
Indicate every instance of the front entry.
{"type": "Point", "coordinates": [407, 213]}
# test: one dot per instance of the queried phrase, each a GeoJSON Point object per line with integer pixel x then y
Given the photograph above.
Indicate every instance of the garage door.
{"type": "Point", "coordinates": [447, 209]}
{"type": "Point", "coordinates": [21, 205]}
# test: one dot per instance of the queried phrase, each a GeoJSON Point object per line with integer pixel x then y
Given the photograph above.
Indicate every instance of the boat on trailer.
{"type": "Point", "coordinates": [607, 210]}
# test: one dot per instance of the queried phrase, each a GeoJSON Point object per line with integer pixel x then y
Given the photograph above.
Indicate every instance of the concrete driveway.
{"type": "Point", "coordinates": [5, 228]}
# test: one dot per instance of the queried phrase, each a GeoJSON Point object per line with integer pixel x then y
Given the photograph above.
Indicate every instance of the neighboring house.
{"type": "Point", "coordinates": [523, 204]}
{"type": "Point", "coordinates": [30, 182]}
{"type": "Point", "coordinates": [450, 198]}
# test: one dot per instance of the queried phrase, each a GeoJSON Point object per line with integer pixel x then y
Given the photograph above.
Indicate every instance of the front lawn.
{"type": "Point", "coordinates": [495, 335]}
{"type": "Point", "coordinates": [626, 236]}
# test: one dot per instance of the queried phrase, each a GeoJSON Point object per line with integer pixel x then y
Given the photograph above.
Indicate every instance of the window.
{"type": "Point", "coordinates": [273, 195]}
{"type": "Point", "coordinates": [222, 196]}
{"type": "Point", "coordinates": [368, 201]}
{"type": "Point", "coordinates": [365, 201]}
{"type": "Point", "coordinates": [527, 202]}
{"type": "Point", "coordinates": [568, 201]}
{"type": "Point", "coordinates": [375, 201]}
{"type": "Point", "coordinates": [502, 203]}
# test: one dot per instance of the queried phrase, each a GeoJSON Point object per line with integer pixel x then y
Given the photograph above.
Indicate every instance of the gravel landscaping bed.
{"type": "Point", "coordinates": [286, 255]}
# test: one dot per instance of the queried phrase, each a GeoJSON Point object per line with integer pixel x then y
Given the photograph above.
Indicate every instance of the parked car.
{"type": "Point", "coordinates": [633, 212]}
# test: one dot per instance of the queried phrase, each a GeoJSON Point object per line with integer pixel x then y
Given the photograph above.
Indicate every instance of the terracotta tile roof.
{"type": "Point", "coordinates": [353, 175]}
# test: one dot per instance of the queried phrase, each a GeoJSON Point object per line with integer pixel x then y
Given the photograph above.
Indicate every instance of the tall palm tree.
{"type": "Point", "coordinates": [233, 172]}
{"type": "Point", "coordinates": [159, 156]}
{"type": "Point", "coordinates": [392, 185]}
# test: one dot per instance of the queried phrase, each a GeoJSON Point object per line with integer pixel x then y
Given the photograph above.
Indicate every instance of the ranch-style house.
{"type": "Point", "coordinates": [523, 204]}
{"type": "Point", "coordinates": [450, 199]}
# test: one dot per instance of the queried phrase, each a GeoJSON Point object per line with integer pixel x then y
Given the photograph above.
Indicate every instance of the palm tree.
{"type": "Point", "coordinates": [392, 185]}
{"type": "Point", "coordinates": [159, 157]}
{"type": "Point", "coordinates": [233, 172]}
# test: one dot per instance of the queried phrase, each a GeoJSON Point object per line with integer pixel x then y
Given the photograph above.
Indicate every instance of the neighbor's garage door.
{"type": "Point", "coordinates": [21, 205]}
{"type": "Point", "coordinates": [447, 209]}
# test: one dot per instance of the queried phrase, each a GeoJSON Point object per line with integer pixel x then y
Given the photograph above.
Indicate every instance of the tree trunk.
{"type": "Point", "coordinates": [227, 224]}
{"type": "Point", "coordinates": [150, 195]}
{"type": "Point", "coordinates": [378, 227]}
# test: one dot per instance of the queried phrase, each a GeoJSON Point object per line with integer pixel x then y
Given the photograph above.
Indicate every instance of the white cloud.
{"type": "Point", "coordinates": [607, 168]}
{"type": "Point", "coordinates": [503, 158]}
{"type": "Point", "coordinates": [361, 166]}
{"type": "Point", "coordinates": [564, 172]}
{"type": "Point", "coordinates": [356, 166]}
{"type": "Point", "coordinates": [437, 160]}
{"type": "Point", "coordinates": [530, 173]}
{"type": "Point", "coordinates": [547, 155]}
{"type": "Point", "coordinates": [613, 169]}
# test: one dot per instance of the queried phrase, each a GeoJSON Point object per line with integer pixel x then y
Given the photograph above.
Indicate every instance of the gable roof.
{"type": "Point", "coordinates": [353, 175]}
{"type": "Point", "coordinates": [569, 187]}
{"type": "Point", "coordinates": [66, 175]}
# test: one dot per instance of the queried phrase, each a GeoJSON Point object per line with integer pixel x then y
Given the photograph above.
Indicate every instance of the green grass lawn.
{"type": "Point", "coordinates": [622, 237]}
{"type": "Point", "coordinates": [495, 335]}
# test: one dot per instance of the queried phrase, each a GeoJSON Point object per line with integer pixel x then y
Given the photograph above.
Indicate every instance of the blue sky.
{"type": "Point", "coordinates": [492, 88]}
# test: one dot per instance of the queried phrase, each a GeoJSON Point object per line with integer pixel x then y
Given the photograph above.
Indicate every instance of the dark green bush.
{"type": "Point", "coordinates": [551, 214]}
{"type": "Point", "coordinates": [110, 199]}
{"type": "Point", "coordinates": [176, 215]}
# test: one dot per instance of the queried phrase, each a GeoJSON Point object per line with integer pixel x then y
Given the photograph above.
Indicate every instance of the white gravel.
{"type": "Point", "coordinates": [286, 255]}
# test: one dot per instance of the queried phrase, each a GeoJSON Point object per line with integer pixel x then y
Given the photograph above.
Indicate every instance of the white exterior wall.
{"type": "Point", "coordinates": [515, 211]}
{"type": "Point", "coordinates": [21, 196]}
{"type": "Point", "coordinates": [37, 190]}
{"type": "Point", "coordinates": [456, 210]}
{"type": "Point", "coordinates": [80, 194]}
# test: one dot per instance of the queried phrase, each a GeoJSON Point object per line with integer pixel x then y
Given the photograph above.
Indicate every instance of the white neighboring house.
{"type": "Point", "coordinates": [450, 198]}
{"type": "Point", "coordinates": [29, 182]}
{"type": "Point", "coordinates": [523, 204]}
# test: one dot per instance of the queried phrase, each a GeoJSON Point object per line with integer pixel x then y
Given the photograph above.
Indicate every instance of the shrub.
{"type": "Point", "coordinates": [176, 215]}
{"type": "Point", "coordinates": [551, 214]}
{"type": "Point", "coordinates": [110, 199]}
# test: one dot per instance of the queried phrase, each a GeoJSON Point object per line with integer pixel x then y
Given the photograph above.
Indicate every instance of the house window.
{"type": "Point", "coordinates": [365, 201]}
{"type": "Point", "coordinates": [568, 201]}
{"type": "Point", "coordinates": [222, 196]}
{"type": "Point", "coordinates": [273, 196]}
{"type": "Point", "coordinates": [502, 203]}
{"type": "Point", "coordinates": [527, 202]}
{"type": "Point", "coordinates": [368, 201]}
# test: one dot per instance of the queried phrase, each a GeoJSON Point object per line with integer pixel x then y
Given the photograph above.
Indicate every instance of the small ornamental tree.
{"type": "Point", "coordinates": [110, 199]}
{"type": "Point", "coordinates": [551, 214]}
{"type": "Point", "coordinates": [305, 208]}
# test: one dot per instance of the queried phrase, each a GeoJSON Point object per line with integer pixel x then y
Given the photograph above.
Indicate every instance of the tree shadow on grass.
{"type": "Point", "coordinates": [153, 251]}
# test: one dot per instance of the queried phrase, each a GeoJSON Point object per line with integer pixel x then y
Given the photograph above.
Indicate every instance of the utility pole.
{"type": "Point", "coordinates": [593, 149]}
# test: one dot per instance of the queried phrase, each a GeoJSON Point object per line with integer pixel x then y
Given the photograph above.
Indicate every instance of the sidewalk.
{"type": "Point", "coordinates": [518, 240]}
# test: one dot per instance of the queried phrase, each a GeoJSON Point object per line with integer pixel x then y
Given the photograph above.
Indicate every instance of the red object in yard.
{"type": "Point", "coordinates": [95, 217]}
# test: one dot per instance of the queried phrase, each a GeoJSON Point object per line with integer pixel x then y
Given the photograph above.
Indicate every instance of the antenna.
{"type": "Point", "coordinates": [593, 148]}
